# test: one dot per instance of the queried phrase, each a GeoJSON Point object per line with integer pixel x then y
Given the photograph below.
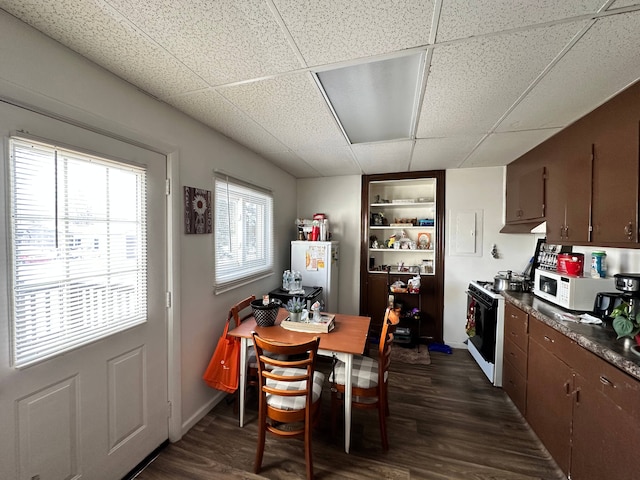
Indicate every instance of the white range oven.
{"type": "Point", "coordinates": [485, 327]}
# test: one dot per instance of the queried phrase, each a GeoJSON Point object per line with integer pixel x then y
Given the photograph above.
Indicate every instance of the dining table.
{"type": "Point", "coordinates": [348, 338]}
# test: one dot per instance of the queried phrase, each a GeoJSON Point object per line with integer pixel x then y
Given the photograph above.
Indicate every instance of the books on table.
{"type": "Point", "coordinates": [325, 325]}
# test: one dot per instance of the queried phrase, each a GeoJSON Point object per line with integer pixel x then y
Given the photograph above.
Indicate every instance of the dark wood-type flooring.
{"type": "Point", "coordinates": [447, 422]}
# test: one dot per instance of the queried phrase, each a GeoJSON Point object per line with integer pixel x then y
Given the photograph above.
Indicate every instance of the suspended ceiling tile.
{"type": "Point", "coordinates": [223, 41]}
{"type": "Point", "coordinates": [383, 157]}
{"type": "Point", "coordinates": [291, 108]}
{"type": "Point", "coordinates": [292, 164]}
{"type": "Point", "coordinates": [503, 148]}
{"type": "Point", "coordinates": [596, 68]}
{"type": "Point", "coordinates": [210, 108]}
{"type": "Point", "coordinates": [472, 84]}
{"type": "Point", "coordinates": [331, 161]}
{"type": "Point", "coordinates": [327, 32]}
{"type": "Point", "coordinates": [98, 33]}
{"type": "Point", "coordinates": [622, 3]}
{"type": "Point", "coordinates": [462, 18]}
{"type": "Point", "coordinates": [442, 153]}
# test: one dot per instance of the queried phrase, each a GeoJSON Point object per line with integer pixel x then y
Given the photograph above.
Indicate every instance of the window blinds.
{"type": "Point", "coordinates": [243, 233]}
{"type": "Point", "coordinates": [79, 249]}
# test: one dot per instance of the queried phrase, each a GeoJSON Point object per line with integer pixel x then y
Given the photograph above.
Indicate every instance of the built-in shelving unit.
{"type": "Point", "coordinates": [402, 225]}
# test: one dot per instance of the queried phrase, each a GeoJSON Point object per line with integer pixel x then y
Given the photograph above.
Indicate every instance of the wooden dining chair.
{"type": "Point", "coordinates": [290, 392]}
{"type": "Point", "coordinates": [369, 379]}
{"type": "Point", "coordinates": [240, 312]}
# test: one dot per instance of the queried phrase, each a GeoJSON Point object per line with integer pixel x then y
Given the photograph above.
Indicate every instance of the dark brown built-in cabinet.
{"type": "Point", "coordinates": [411, 207]}
{"type": "Point", "coordinates": [589, 191]}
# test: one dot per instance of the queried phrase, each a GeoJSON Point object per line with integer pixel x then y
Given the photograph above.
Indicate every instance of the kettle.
{"type": "Point", "coordinates": [605, 303]}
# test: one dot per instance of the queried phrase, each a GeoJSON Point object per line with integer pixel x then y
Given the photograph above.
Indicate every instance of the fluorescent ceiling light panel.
{"type": "Point", "coordinates": [375, 101]}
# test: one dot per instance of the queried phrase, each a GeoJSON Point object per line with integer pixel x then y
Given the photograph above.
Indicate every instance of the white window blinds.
{"type": "Point", "coordinates": [243, 233]}
{"type": "Point", "coordinates": [79, 249]}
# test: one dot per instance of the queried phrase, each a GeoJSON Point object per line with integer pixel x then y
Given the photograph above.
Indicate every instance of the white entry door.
{"type": "Point", "coordinates": [97, 410]}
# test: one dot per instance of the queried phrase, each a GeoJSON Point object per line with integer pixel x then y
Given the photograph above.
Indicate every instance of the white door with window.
{"type": "Point", "coordinates": [83, 328]}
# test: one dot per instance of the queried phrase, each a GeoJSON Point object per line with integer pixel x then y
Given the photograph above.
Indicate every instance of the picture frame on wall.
{"type": "Point", "coordinates": [197, 211]}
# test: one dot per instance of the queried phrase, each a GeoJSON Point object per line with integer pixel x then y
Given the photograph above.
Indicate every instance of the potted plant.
{"type": "Point", "coordinates": [626, 321]}
{"type": "Point", "coordinates": [294, 307]}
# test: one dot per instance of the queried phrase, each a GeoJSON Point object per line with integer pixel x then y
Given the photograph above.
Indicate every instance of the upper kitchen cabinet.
{"type": "Point", "coordinates": [568, 194]}
{"type": "Point", "coordinates": [402, 225]}
{"type": "Point", "coordinates": [615, 133]}
{"type": "Point", "coordinates": [591, 192]}
{"type": "Point", "coordinates": [525, 192]}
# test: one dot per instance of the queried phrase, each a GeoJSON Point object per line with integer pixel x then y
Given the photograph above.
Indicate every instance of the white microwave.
{"type": "Point", "coordinates": [567, 291]}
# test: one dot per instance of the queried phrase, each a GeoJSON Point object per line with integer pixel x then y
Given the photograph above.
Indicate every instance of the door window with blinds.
{"type": "Point", "coordinates": [243, 233]}
{"type": "Point", "coordinates": [78, 237]}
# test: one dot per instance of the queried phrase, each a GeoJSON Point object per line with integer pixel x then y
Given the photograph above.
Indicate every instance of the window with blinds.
{"type": "Point", "coordinates": [243, 233]}
{"type": "Point", "coordinates": [78, 228]}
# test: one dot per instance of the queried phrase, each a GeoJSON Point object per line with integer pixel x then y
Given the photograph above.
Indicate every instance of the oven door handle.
{"type": "Point", "coordinates": [479, 300]}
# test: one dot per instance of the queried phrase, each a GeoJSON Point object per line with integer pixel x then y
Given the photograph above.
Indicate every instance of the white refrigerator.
{"type": "Point", "coordinates": [318, 263]}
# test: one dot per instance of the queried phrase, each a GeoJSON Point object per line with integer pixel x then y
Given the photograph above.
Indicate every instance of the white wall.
{"type": "Point", "coordinates": [40, 72]}
{"type": "Point", "coordinates": [339, 199]}
{"type": "Point", "coordinates": [477, 189]}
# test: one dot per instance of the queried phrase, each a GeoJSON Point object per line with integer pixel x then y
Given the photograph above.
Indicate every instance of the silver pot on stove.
{"type": "Point", "coordinates": [510, 282]}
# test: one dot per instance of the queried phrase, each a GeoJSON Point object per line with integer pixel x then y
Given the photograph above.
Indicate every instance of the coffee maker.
{"type": "Point", "coordinates": [629, 285]}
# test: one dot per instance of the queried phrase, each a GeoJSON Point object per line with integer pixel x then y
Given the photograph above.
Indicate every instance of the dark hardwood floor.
{"type": "Point", "coordinates": [447, 422]}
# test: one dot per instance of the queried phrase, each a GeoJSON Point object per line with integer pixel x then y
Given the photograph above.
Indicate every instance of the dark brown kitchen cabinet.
{"type": "Point", "coordinates": [525, 194]}
{"type": "Point", "coordinates": [615, 183]}
{"type": "Point", "coordinates": [606, 422]}
{"type": "Point", "coordinates": [408, 208]}
{"type": "Point", "coordinates": [591, 192]}
{"type": "Point", "coordinates": [568, 194]}
{"type": "Point", "coordinates": [514, 367]}
{"type": "Point", "coordinates": [549, 392]}
{"type": "Point", "coordinates": [585, 411]}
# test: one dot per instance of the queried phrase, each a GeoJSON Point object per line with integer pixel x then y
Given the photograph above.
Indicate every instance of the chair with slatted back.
{"type": "Point", "coordinates": [239, 313]}
{"type": "Point", "coordinates": [290, 392]}
{"type": "Point", "coordinates": [369, 379]}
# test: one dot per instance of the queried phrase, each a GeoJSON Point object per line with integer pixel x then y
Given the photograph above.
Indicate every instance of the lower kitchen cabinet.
{"type": "Point", "coordinates": [549, 398]}
{"type": "Point", "coordinates": [514, 365]}
{"type": "Point", "coordinates": [585, 411]}
{"type": "Point", "coordinates": [606, 422]}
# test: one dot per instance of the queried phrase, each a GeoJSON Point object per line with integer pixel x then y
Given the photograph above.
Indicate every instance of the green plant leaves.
{"type": "Point", "coordinates": [623, 326]}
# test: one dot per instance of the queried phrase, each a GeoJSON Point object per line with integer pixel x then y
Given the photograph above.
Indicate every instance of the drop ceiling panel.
{"type": "Point", "coordinates": [292, 164]}
{"type": "Point", "coordinates": [622, 3]}
{"type": "Point", "coordinates": [492, 60]}
{"type": "Point", "coordinates": [383, 157]}
{"type": "Point", "coordinates": [213, 110]}
{"type": "Point", "coordinates": [222, 41]}
{"type": "Point", "coordinates": [337, 30]}
{"type": "Point", "coordinates": [502, 148]}
{"type": "Point", "coordinates": [462, 18]}
{"type": "Point", "coordinates": [331, 161]}
{"type": "Point", "coordinates": [290, 108]}
{"type": "Point", "coordinates": [96, 31]}
{"type": "Point", "coordinates": [472, 84]}
{"type": "Point", "coordinates": [442, 153]}
{"type": "Point", "coordinates": [598, 66]}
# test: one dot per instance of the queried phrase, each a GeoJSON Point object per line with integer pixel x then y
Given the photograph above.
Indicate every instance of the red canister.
{"type": "Point", "coordinates": [571, 263]}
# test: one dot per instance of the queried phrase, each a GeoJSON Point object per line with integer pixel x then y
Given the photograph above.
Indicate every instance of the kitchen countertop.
{"type": "Point", "coordinates": [598, 339]}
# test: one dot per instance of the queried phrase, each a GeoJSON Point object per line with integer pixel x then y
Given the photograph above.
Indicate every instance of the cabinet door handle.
{"type": "Point", "coordinates": [561, 231]}
{"type": "Point", "coordinates": [566, 231]}
{"type": "Point", "coordinates": [605, 381]}
{"type": "Point", "coordinates": [628, 229]}
{"type": "Point", "coordinates": [578, 395]}
{"type": "Point", "coordinates": [547, 339]}
{"type": "Point", "coordinates": [567, 387]}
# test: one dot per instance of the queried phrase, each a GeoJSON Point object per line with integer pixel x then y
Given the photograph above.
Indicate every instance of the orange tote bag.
{"type": "Point", "coordinates": [222, 372]}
